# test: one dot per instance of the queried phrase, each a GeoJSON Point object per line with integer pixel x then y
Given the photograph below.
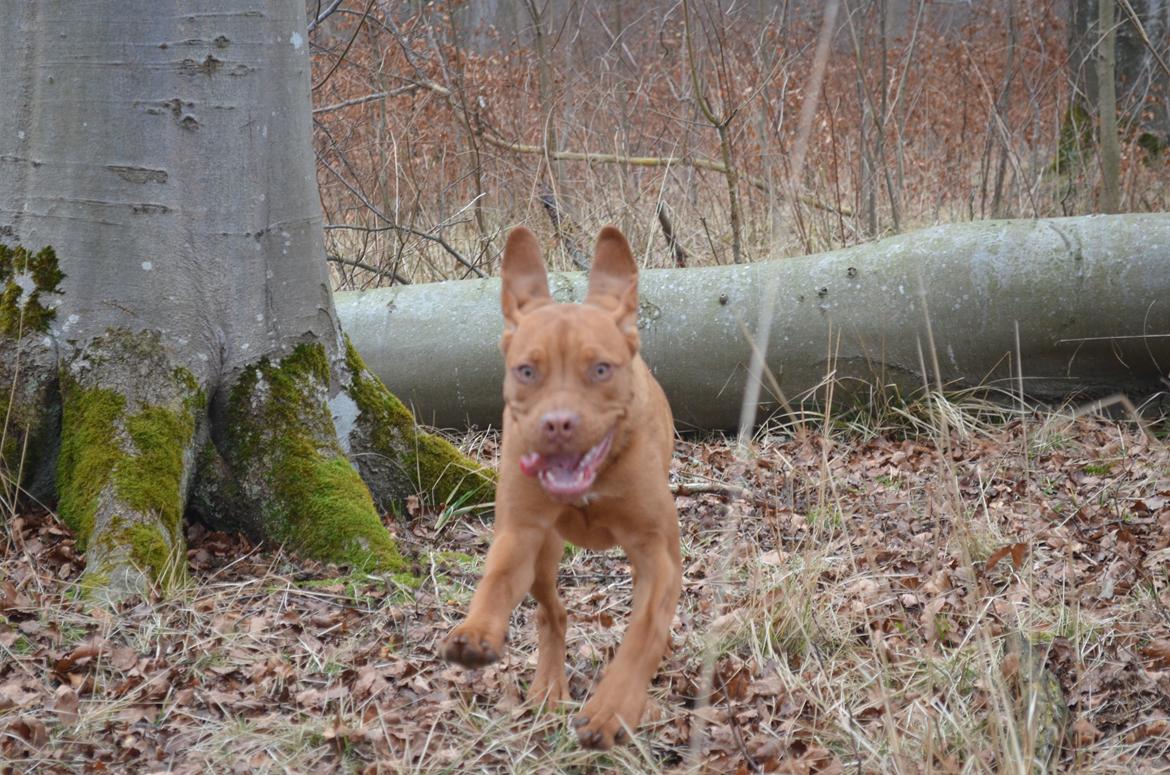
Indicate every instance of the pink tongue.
{"type": "Point", "coordinates": [566, 482]}
{"type": "Point", "coordinates": [530, 464]}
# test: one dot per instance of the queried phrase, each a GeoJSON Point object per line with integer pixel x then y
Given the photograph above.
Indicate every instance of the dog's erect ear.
{"type": "Point", "coordinates": [525, 282]}
{"type": "Point", "coordinates": [613, 281]}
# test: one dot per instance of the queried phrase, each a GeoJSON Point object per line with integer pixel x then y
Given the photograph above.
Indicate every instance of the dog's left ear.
{"type": "Point", "coordinates": [613, 282]}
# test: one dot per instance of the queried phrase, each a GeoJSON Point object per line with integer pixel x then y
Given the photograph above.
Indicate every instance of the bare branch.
{"type": "Point", "coordinates": [323, 15]}
{"type": "Point", "coordinates": [680, 255]}
{"type": "Point", "coordinates": [564, 229]}
{"type": "Point", "coordinates": [369, 98]}
{"type": "Point", "coordinates": [345, 51]}
{"type": "Point", "coordinates": [368, 268]}
{"type": "Point", "coordinates": [1145, 37]}
{"type": "Point", "coordinates": [391, 226]}
{"type": "Point", "coordinates": [697, 162]}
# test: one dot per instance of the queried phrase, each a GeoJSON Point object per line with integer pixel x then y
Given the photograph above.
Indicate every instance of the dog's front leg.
{"type": "Point", "coordinates": [621, 697]}
{"type": "Point", "coordinates": [507, 577]}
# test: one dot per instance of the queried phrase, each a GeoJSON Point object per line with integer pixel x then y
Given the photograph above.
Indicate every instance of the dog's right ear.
{"type": "Point", "coordinates": [524, 284]}
{"type": "Point", "coordinates": [613, 282]}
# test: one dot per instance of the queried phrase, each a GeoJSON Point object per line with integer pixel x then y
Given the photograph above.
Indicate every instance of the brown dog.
{"type": "Point", "coordinates": [588, 438]}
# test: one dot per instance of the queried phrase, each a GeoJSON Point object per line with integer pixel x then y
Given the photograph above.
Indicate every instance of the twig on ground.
{"type": "Point", "coordinates": [725, 489]}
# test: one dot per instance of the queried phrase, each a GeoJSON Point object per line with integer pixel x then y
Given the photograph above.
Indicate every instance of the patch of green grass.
{"type": "Point", "coordinates": [825, 517]}
{"type": "Point", "coordinates": [458, 558]}
{"type": "Point", "coordinates": [72, 634]}
{"type": "Point", "coordinates": [1072, 624]}
{"type": "Point", "coordinates": [22, 646]}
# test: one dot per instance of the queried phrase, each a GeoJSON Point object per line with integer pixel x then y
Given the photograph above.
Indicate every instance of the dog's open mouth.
{"type": "Point", "coordinates": [567, 477]}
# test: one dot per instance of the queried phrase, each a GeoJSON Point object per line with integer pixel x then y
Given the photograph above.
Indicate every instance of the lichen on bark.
{"type": "Point", "coordinates": [129, 425]}
{"type": "Point", "coordinates": [280, 443]}
{"type": "Point", "coordinates": [398, 459]}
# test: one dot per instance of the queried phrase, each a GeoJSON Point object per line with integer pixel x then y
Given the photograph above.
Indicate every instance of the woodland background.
{"type": "Point", "coordinates": [935, 584]}
{"type": "Point", "coordinates": [446, 123]}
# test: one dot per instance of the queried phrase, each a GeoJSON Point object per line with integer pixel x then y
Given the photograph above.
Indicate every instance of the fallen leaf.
{"type": "Point", "coordinates": [1159, 652]}
{"type": "Point", "coordinates": [65, 705]}
{"type": "Point", "coordinates": [1018, 551]}
{"type": "Point", "coordinates": [14, 695]}
{"type": "Point", "coordinates": [1084, 733]}
{"type": "Point", "coordinates": [31, 730]}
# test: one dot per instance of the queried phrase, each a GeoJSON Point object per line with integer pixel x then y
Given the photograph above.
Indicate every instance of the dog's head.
{"type": "Point", "coordinates": [569, 381]}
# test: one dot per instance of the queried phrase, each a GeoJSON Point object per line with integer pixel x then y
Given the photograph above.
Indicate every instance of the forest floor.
{"type": "Point", "coordinates": [854, 601]}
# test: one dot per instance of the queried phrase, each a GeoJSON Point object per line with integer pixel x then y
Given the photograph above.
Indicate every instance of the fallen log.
{"type": "Point", "coordinates": [1087, 299]}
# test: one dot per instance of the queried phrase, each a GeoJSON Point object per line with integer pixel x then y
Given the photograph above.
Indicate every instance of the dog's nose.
{"type": "Point", "coordinates": [559, 425]}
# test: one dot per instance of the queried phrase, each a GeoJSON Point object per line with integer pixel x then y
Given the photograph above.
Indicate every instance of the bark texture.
{"type": "Point", "coordinates": [1107, 109]}
{"type": "Point", "coordinates": [1089, 295]}
{"type": "Point", "coordinates": [179, 338]}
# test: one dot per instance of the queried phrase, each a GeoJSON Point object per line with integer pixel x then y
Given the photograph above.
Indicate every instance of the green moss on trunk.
{"type": "Point", "coordinates": [24, 311]}
{"type": "Point", "coordinates": [282, 445]}
{"type": "Point", "coordinates": [431, 464]}
{"type": "Point", "coordinates": [90, 453]}
{"type": "Point", "coordinates": [125, 456]}
{"type": "Point", "coordinates": [27, 366]}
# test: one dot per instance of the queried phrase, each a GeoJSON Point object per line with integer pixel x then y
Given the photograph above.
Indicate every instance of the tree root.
{"type": "Point", "coordinates": [296, 485]}
{"type": "Point", "coordinates": [395, 458]}
{"type": "Point", "coordinates": [128, 435]}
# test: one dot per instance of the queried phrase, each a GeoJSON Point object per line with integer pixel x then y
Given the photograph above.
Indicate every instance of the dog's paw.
{"type": "Point", "coordinates": [599, 732]}
{"type": "Point", "coordinates": [548, 690]}
{"type": "Point", "coordinates": [603, 723]}
{"type": "Point", "coordinates": [472, 648]}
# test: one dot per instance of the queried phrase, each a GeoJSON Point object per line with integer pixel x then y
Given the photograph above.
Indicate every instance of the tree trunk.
{"type": "Point", "coordinates": [1107, 110]}
{"type": "Point", "coordinates": [182, 322]}
{"type": "Point", "coordinates": [1089, 296]}
{"type": "Point", "coordinates": [1141, 77]}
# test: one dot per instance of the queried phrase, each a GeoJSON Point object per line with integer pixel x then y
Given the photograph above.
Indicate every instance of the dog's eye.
{"type": "Point", "coordinates": [526, 373]}
{"type": "Point", "coordinates": [600, 372]}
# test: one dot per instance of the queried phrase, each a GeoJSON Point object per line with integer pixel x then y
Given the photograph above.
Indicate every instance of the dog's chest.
{"type": "Point", "coordinates": [585, 527]}
{"type": "Point", "coordinates": [583, 504]}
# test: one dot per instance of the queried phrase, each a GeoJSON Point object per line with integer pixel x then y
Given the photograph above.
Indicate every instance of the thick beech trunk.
{"type": "Point", "coordinates": [182, 319]}
{"type": "Point", "coordinates": [1090, 297]}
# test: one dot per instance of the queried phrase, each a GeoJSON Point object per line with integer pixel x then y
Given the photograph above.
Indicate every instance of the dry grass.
{"type": "Point", "coordinates": [847, 603]}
